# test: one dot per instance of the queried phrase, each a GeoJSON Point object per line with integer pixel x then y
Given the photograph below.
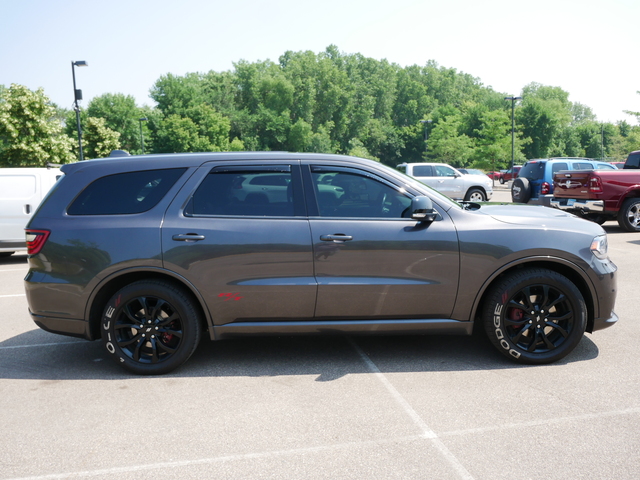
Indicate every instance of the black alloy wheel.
{"type": "Point", "coordinates": [150, 327]}
{"type": "Point", "coordinates": [535, 316]}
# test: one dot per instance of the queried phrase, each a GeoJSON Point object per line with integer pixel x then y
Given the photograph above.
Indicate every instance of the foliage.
{"type": "Point", "coordinates": [333, 102]}
{"type": "Point", "coordinates": [30, 131]}
{"type": "Point", "coordinates": [99, 140]}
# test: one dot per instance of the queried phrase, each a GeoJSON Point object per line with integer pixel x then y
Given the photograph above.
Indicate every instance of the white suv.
{"type": "Point", "coordinates": [450, 182]}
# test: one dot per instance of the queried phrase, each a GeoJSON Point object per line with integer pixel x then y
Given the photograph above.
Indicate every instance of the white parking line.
{"type": "Point", "coordinates": [14, 270]}
{"type": "Point", "coordinates": [420, 423]}
{"type": "Point", "coordinates": [38, 345]}
{"type": "Point", "coordinates": [16, 295]}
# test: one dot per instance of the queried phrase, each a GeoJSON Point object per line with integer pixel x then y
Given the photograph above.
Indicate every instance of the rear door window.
{"type": "Point", "coordinates": [125, 193]}
{"type": "Point", "coordinates": [246, 191]}
{"type": "Point", "coordinates": [560, 166]}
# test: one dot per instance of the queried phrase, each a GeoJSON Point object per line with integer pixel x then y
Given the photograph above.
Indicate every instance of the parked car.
{"type": "Point", "coordinates": [149, 253]}
{"type": "Point", "coordinates": [619, 165]}
{"type": "Point", "coordinates": [21, 190]}
{"type": "Point", "coordinates": [535, 181]}
{"type": "Point", "coordinates": [509, 174]}
{"type": "Point", "coordinates": [449, 181]}
{"type": "Point", "coordinates": [494, 175]}
{"type": "Point", "coordinates": [601, 195]}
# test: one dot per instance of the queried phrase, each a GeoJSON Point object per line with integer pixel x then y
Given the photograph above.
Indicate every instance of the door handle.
{"type": "Point", "coordinates": [188, 237]}
{"type": "Point", "coordinates": [337, 238]}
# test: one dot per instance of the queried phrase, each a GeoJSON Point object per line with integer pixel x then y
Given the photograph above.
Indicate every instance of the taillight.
{"type": "Point", "coordinates": [595, 185]}
{"type": "Point", "coordinates": [545, 188]}
{"type": "Point", "coordinates": [36, 240]}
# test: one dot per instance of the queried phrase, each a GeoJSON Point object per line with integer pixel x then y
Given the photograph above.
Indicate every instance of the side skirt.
{"type": "Point", "coordinates": [338, 327]}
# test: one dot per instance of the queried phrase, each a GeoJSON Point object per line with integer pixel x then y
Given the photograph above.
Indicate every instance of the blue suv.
{"type": "Point", "coordinates": [535, 180]}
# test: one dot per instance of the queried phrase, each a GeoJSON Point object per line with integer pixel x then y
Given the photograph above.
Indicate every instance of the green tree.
{"type": "Point", "coordinates": [448, 145]}
{"type": "Point", "coordinates": [99, 140]}
{"type": "Point", "coordinates": [121, 115]}
{"type": "Point", "coordinates": [493, 143]}
{"type": "Point", "coordinates": [30, 131]}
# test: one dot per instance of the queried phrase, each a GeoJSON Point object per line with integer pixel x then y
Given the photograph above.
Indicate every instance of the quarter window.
{"type": "Point", "coordinates": [125, 193]}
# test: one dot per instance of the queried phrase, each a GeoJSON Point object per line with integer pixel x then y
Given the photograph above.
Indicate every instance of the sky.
{"type": "Point", "coordinates": [588, 48]}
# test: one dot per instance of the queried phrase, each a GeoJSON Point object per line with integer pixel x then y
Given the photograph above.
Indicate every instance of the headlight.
{"type": "Point", "coordinates": [600, 246]}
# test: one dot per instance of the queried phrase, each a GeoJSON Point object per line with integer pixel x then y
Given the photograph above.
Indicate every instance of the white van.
{"type": "Point", "coordinates": [21, 191]}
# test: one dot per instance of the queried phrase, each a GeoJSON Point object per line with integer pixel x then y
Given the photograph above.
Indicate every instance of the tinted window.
{"type": "Point", "coordinates": [350, 194]}
{"type": "Point", "coordinates": [560, 166]}
{"type": "Point", "coordinates": [125, 193]}
{"type": "Point", "coordinates": [422, 171]}
{"type": "Point", "coordinates": [242, 192]}
{"type": "Point", "coordinates": [533, 171]}
{"type": "Point", "coordinates": [582, 166]}
{"type": "Point", "coordinates": [633, 161]}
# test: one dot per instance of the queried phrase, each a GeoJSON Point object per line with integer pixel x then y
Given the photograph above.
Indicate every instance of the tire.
{"type": "Point", "coordinates": [521, 190]}
{"type": "Point", "coordinates": [475, 195]}
{"type": "Point", "coordinates": [629, 215]}
{"type": "Point", "coordinates": [599, 219]}
{"type": "Point", "coordinates": [150, 327]}
{"type": "Point", "coordinates": [501, 180]}
{"type": "Point", "coordinates": [535, 316]}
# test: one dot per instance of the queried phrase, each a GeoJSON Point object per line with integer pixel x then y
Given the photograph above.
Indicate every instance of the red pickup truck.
{"type": "Point", "coordinates": [601, 195]}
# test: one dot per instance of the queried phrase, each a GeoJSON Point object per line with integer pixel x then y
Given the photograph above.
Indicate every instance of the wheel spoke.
{"type": "Point", "coordinates": [558, 328]}
{"type": "Point", "coordinates": [517, 338]}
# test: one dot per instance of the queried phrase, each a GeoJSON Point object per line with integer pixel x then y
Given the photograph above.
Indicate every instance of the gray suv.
{"type": "Point", "coordinates": [150, 253]}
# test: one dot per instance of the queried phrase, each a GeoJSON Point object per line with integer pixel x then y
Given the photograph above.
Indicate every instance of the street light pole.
{"type": "Point", "coordinates": [426, 137]}
{"type": "Point", "coordinates": [77, 95]}
{"type": "Point", "coordinates": [143, 119]}
{"type": "Point", "coordinates": [513, 129]}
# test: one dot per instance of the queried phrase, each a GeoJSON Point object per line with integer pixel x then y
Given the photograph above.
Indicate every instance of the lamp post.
{"type": "Point", "coordinates": [143, 119]}
{"type": "Point", "coordinates": [77, 95]}
{"type": "Point", "coordinates": [426, 136]}
{"type": "Point", "coordinates": [513, 129]}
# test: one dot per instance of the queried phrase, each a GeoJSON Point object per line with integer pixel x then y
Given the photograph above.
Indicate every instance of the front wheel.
{"type": "Point", "coordinates": [501, 180]}
{"type": "Point", "coordinates": [535, 316]}
{"type": "Point", "coordinates": [629, 215]}
{"type": "Point", "coordinates": [150, 327]}
{"type": "Point", "coordinates": [475, 195]}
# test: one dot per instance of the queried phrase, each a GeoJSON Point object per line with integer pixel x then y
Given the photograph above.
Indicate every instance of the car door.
{"type": "Point", "coordinates": [240, 235]}
{"type": "Point", "coordinates": [371, 260]}
{"type": "Point", "coordinates": [448, 181]}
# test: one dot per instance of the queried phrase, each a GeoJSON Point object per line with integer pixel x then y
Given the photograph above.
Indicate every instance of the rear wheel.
{"type": "Point", "coordinates": [150, 327]}
{"type": "Point", "coordinates": [629, 215]}
{"type": "Point", "coordinates": [535, 316]}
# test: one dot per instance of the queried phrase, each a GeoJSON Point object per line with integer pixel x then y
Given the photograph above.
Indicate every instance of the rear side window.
{"type": "Point", "coordinates": [633, 161]}
{"type": "Point", "coordinates": [556, 167]}
{"type": "Point", "coordinates": [245, 191]}
{"type": "Point", "coordinates": [125, 193]}
{"type": "Point", "coordinates": [422, 171]}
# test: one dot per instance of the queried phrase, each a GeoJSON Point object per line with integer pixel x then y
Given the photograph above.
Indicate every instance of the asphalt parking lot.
{"type": "Point", "coordinates": [323, 408]}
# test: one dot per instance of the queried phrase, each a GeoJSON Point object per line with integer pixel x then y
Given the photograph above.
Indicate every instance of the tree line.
{"type": "Point", "coordinates": [329, 102]}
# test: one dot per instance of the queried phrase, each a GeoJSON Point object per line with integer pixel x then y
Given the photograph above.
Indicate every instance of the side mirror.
{"type": "Point", "coordinates": [422, 209]}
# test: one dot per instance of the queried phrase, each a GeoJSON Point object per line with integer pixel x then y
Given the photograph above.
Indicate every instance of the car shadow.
{"type": "Point", "coordinates": [15, 259]}
{"type": "Point", "coordinates": [42, 356]}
